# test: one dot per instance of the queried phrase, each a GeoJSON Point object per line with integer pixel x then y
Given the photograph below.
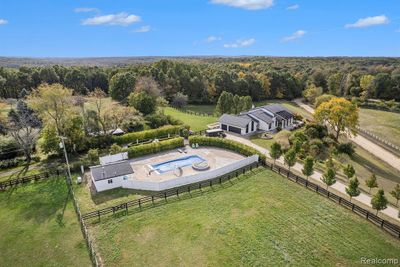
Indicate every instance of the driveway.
{"type": "Point", "coordinates": [340, 187]}
{"type": "Point", "coordinates": [363, 142]}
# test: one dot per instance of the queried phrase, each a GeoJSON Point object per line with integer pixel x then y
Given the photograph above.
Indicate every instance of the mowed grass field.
{"type": "Point", "coordinates": [261, 219]}
{"type": "Point", "coordinates": [195, 122]}
{"type": "Point", "coordinates": [381, 123]}
{"type": "Point", "coordinates": [39, 227]}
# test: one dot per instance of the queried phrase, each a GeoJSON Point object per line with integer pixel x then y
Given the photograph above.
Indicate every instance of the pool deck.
{"type": "Point", "coordinates": [215, 157]}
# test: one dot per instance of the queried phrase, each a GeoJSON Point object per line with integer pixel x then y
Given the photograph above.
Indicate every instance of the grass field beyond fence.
{"type": "Point", "coordinates": [39, 227]}
{"type": "Point", "coordinates": [260, 220]}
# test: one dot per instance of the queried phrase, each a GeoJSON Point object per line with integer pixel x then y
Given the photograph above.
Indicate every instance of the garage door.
{"type": "Point", "coordinates": [223, 126]}
{"type": "Point", "coordinates": [234, 130]}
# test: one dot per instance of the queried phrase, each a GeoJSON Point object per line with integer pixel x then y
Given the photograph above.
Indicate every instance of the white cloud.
{"type": "Point", "coordinates": [3, 21]}
{"type": "Point", "coordinates": [293, 7]}
{"type": "Point", "coordinates": [241, 43]}
{"type": "Point", "coordinates": [246, 4]}
{"type": "Point", "coordinates": [296, 35]}
{"type": "Point", "coordinates": [86, 10]}
{"type": "Point", "coordinates": [369, 21]}
{"type": "Point", "coordinates": [142, 29]}
{"type": "Point", "coordinates": [122, 19]}
{"type": "Point", "coordinates": [212, 38]}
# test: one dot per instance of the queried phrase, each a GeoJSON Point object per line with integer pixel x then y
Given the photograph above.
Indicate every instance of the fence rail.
{"type": "Point", "coordinates": [140, 203]}
{"type": "Point", "coordinates": [89, 242]}
{"type": "Point", "coordinates": [30, 178]}
{"type": "Point", "coordinates": [374, 137]}
{"type": "Point", "coordinates": [375, 219]}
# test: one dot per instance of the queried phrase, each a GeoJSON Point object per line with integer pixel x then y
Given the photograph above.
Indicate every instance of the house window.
{"type": "Point", "coordinates": [252, 126]}
{"type": "Point", "coordinates": [110, 181]}
{"type": "Point", "coordinates": [247, 128]}
{"type": "Point", "coordinates": [125, 177]}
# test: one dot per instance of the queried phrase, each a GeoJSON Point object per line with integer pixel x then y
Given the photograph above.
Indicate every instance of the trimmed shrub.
{"type": "Point", "coordinates": [227, 144]}
{"type": "Point", "coordinates": [148, 134]}
{"type": "Point", "coordinates": [154, 147]}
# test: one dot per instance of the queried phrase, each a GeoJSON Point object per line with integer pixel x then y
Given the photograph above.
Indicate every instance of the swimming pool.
{"type": "Point", "coordinates": [171, 165]}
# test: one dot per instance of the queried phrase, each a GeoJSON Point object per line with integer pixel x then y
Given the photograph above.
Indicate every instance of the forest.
{"type": "Point", "coordinates": [202, 80]}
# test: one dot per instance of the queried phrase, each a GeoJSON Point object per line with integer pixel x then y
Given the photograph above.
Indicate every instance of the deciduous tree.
{"type": "Point", "coordinates": [352, 189]}
{"type": "Point", "coordinates": [329, 177]}
{"type": "Point", "coordinates": [23, 126]}
{"type": "Point", "coordinates": [379, 201]}
{"type": "Point", "coordinates": [396, 193]}
{"type": "Point", "coordinates": [371, 182]}
{"type": "Point", "coordinates": [308, 167]}
{"type": "Point", "coordinates": [290, 157]}
{"type": "Point", "coordinates": [276, 151]}
{"type": "Point", "coordinates": [340, 114]}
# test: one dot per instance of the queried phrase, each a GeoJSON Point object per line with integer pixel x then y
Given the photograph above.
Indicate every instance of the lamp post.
{"type": "Point", "coordinates": [62, 145]}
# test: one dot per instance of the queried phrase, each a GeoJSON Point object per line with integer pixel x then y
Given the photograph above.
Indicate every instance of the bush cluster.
{"type": "Point", "coordinates": [10, 163]}
{"type": "Point", "coordinates": [227, 144]}
{"type": "Point", "coordinates": [148, 134]}
{"type": "Point", "coordinates": [154, 147]}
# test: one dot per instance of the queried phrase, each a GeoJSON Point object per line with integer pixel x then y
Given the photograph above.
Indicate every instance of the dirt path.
{"type": "Point", "coordinates": [339, 187]}
{"type": "Point", "coordinates": [363, 142]}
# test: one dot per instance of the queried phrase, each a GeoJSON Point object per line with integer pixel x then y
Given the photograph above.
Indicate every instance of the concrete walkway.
{"type": "Point", "coordinates": [340, 187]}
{"type": "Point", "coordinates": [363, 142]}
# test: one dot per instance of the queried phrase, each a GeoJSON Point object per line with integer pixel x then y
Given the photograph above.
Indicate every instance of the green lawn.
{"type": "Point", "coordinates": [209, 109]}
{"type": "Point", "coordinates": [39, 227]}
{"type": "Point", "coordinates": [381, 123]}
{"type": "Point", "coordinates": [89, 202]}
{"type": "Point", "coordinates": [261, 220]}
{"type": "Point", "coordinates": [196, 122]}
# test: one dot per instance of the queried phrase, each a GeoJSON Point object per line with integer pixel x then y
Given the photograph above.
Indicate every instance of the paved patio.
{"type": "Point", "coordinates": [215, 157]}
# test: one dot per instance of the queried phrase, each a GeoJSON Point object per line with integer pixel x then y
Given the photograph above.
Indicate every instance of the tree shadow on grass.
{"type": "Point", "coordinates": [40, 201]}
{"type": "Point", "coordinates": [373, 167]}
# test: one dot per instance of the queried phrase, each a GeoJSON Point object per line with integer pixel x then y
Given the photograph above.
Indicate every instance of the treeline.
{"type": "Point", "coordinates": [203, 80]}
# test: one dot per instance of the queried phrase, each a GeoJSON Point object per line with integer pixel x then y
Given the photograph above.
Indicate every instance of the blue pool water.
{"type": "Point", "coordinates": [170, 165]}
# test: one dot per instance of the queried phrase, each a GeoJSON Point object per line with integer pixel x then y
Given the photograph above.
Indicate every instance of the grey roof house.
{"type": "Point", "coordinates": [264, 118]}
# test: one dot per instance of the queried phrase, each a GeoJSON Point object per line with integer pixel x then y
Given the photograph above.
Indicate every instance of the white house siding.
{"type": "Point", "coordinates": [103, 185]}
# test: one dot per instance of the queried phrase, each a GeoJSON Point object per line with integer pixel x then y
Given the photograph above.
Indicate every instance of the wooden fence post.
{"type": "Point", "coordinates": [165, 196]}
{"type": "Point", "coordinates": [140, 204]}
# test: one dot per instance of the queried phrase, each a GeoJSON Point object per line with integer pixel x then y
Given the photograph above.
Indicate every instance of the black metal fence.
{"type": "Point", "coordinates": [30, 178]}
{"type": "Point", "coordinates": [375, 219]}
{"type": "Point", "coordinates": [162, 197]}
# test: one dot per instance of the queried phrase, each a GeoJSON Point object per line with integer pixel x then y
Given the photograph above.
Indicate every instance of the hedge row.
{"type": "Point", "coordinates": [154, 147]}
{"type": "Point", "coordinates": [148, 134]}
{"type": "Point", "coordinates": [10, 163]}
{"type": "Point", "coordinates": [227, 144]}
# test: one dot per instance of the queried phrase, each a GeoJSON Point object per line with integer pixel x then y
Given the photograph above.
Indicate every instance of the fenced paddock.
{"type": "Point", "coordinates": [375, 219]}
{"type": "Point", "coordinates": [89, 242]}
{"type": "Point", "coordinates": [162, 197]}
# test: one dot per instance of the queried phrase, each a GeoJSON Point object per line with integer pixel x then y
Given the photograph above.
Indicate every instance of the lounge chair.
{"type": "Point", "coordinates": [180, 150]}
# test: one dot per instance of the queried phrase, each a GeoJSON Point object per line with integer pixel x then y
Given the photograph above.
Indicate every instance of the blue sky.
{"type": "Point", "coordinates": [89, 28]}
